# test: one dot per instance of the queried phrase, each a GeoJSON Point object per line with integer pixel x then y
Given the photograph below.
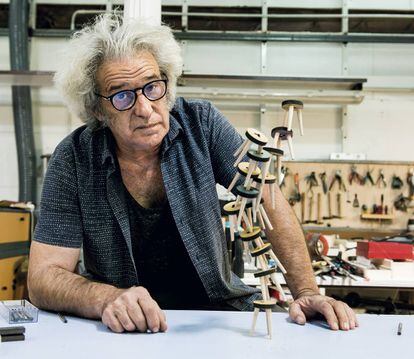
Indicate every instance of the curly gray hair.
{"type": "Point", "coordinates": [110, 38]}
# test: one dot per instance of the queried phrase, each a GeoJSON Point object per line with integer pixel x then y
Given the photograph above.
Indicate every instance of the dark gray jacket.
{"type": "Point", "coordinates": [82, 205]}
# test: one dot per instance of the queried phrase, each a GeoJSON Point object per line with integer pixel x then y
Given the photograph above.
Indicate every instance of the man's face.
{"type": "Point", "coordinates": [144, 126]}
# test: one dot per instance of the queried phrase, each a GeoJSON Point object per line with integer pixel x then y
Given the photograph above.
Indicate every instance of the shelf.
{"type": "Point", "coordinates": [248, 90]}
{"type": "Point", "coordinates": [253, 90]}
{"type": "Point", "coordinates": [273, 82]}
{"type": "Point", "coordinates": [378, 217]}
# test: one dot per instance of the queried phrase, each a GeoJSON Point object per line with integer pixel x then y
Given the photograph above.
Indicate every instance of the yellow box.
{"type": "Point", "coordinates": [9, 288]}
{"type": "Point", "coordinates": [14, 226]}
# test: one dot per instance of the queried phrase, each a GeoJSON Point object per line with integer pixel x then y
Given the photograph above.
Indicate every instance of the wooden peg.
{"type": "Point", "coordinates": [277, 261]}
{"type": "Point", "coordinates": [269, 322]}
{"type": "Point", "coordinates": [266, 218]}
{"type": "Point", "coordinates": [255, 315]}
{"type": "Point", "coordinates": [243, 148]}
{"type": "Point", "coordinates": [300, 122]}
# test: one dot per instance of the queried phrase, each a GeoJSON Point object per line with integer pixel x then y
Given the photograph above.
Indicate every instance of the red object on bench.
{"type": "Point", "coordinates": [381, 250]}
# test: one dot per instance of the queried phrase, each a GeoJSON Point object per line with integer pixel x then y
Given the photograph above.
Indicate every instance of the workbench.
{"type": "Point", "coordinates": [210, 335]}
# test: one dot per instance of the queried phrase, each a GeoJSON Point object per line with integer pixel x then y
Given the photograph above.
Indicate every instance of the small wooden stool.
{"type": "Point", "coordinates": [232, 210]}
{"type": "Point", "coordinates": [280, 134]}
{"type": "Point", "coordinates": [252, 136]}
{"type": "Point", "coordinates": [243, 170]}
{"type": "Point", "coordinates": [269, 180]}
{"type": "Point", "coordinates": [278, 153]}
{"type": "Point", "coordinates": [290, 106]}
{"type": "Point", "coordinates": [244, 194]}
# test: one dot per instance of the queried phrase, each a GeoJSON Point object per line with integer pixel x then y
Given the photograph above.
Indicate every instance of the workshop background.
{"type": "Point", "coordinates": [349, 62]}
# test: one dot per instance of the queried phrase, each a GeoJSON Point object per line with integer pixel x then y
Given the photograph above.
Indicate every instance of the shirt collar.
{"type": "Point", "coordinates": [175, 129]}
{"type": "Point", "coordinates": [108, 152]}
{"type": "Point", "coordinates": [108, 146]}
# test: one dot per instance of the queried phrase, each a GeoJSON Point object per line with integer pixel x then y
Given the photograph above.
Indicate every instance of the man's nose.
{"type": "Point", "coordinates": [142, 107]}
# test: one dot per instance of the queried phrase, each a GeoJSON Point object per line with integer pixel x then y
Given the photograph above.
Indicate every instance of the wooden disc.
{"type": "Point", "coordinates": [259, 157]}
{"type": "Point", "coordinates": [265, 272]}
{"type": "Point", "coordinates": [268, 180]}
{"type": "Point", "coordinates": [265, 304]}
{"type": "Point", "coordinates": [250, 236]}
{"type": "Point", "coordinates": [256, 137]}
{"type": "Point", "coordinates": [283, 132]}
{"type": "Point", "coordinates": [274, 151]}
{"type": "Point", "coordinates": [231, 208]}
{"type": "Point", "coordinates": [247, 193]}
{"type": "Point", "coordinates": [261, 250]}
{"type": "Point", "coordinates": [243, 169]}
{"type": "Point", "coordinates": [296, 103]}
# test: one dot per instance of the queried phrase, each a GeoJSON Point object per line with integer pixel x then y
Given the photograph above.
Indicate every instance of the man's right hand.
{"type": "Point", "coordinates": [133, 309]}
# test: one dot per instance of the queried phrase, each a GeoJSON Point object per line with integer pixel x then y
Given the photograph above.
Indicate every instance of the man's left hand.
{"type": "Point", "coordinates": [338, 314]}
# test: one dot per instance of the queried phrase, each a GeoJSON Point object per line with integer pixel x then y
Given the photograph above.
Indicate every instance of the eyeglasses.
{"type": "Point", "coordinates": [125, 99]}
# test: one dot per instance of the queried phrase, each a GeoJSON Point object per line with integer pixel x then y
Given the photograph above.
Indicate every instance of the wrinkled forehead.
{"type": "Point", "coordinates": [127, 70]}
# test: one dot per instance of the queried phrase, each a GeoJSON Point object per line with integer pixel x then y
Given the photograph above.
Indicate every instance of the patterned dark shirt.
{"type": "Point", "coordinates": [83, 204]}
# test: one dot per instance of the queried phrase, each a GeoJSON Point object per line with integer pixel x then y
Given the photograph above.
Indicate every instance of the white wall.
{"type": "Point", "coordinates": [381, 126]}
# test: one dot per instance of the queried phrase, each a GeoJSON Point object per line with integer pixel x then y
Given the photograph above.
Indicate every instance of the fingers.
{"type": "Point", "coordinates": [338, 315]}
{"type": "Point", "coordinates": [110, 320]}
{"type": "Point", "coordinates": [134, 309]}
{"type": "Point", "coordinates": [353, 321]}
{"type": "Point", "coordinates": [341, 314]}
{"type": "Point", "coordinates": [136, 315]}
{"type": "Point", "coordinates": [163, 322]}
{"type": "Point", "coordinates": [296, 314]}
{"type": "Point", "coordinates": [151, 312]}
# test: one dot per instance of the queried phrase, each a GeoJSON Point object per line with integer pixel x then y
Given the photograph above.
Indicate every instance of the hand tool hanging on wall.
{"type": "Point", "coordinates": [311, 181]}
{"type": "Point", "coordinates": [396, 182]}
{"type": "Point", "coordinates": [322, 176]}
{"type": "Point", "coordinates": [329, 207]}
{"type": "Point", "coordinates": [284, 172]}
{"type": "Point", "coordinates": [339, 205]}
{"type": "Point", "coordinates": [355, 176]}
{"type": "Point", "coordinates": [410, 182]}
{"type": "Point", "coordinates": [368, 178]}
{"type": "Point", "coordinates": [302, 207]}
{"type": "Point", "coordinates": [338, 178]}
{"type": "Point", "coordinates": [310, 196]}
{"type": "Point", "coordinates": [355, 203]}
{"type": "Point", "coordinates": [381, 182]}
{"type": "Point", "coordinates": [319, 209]}
{"type": "Point", "coordinates": [295, 197]}
{"type": "Point", "coordinates": [380, 208]}
{"type": "Point", "coordinates": [402, 203]}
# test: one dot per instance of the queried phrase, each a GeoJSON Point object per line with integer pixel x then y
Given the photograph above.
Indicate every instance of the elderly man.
{"type": "Point", "coordinates": [135, 188]}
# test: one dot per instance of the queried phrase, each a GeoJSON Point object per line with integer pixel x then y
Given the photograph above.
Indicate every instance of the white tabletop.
{"type": "Point", "coordinates": [213, 335]}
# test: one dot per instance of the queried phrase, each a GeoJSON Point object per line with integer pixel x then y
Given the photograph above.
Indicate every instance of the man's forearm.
{"type": "Point", "coordinates": [57, 289]}
{"type": "Point", "coordinates": [289, 244]}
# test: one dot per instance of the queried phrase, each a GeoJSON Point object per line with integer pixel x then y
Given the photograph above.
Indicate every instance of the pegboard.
{"type": "Point", "coordinates": [367, 194]}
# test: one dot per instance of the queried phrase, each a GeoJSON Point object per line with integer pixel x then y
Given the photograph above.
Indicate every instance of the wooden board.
{"type": "Point", "coordinates": [367, 194]}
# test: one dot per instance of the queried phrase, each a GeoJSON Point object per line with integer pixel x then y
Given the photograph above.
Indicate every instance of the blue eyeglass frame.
{"type": "Point", "coordinates": [110, 98]}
